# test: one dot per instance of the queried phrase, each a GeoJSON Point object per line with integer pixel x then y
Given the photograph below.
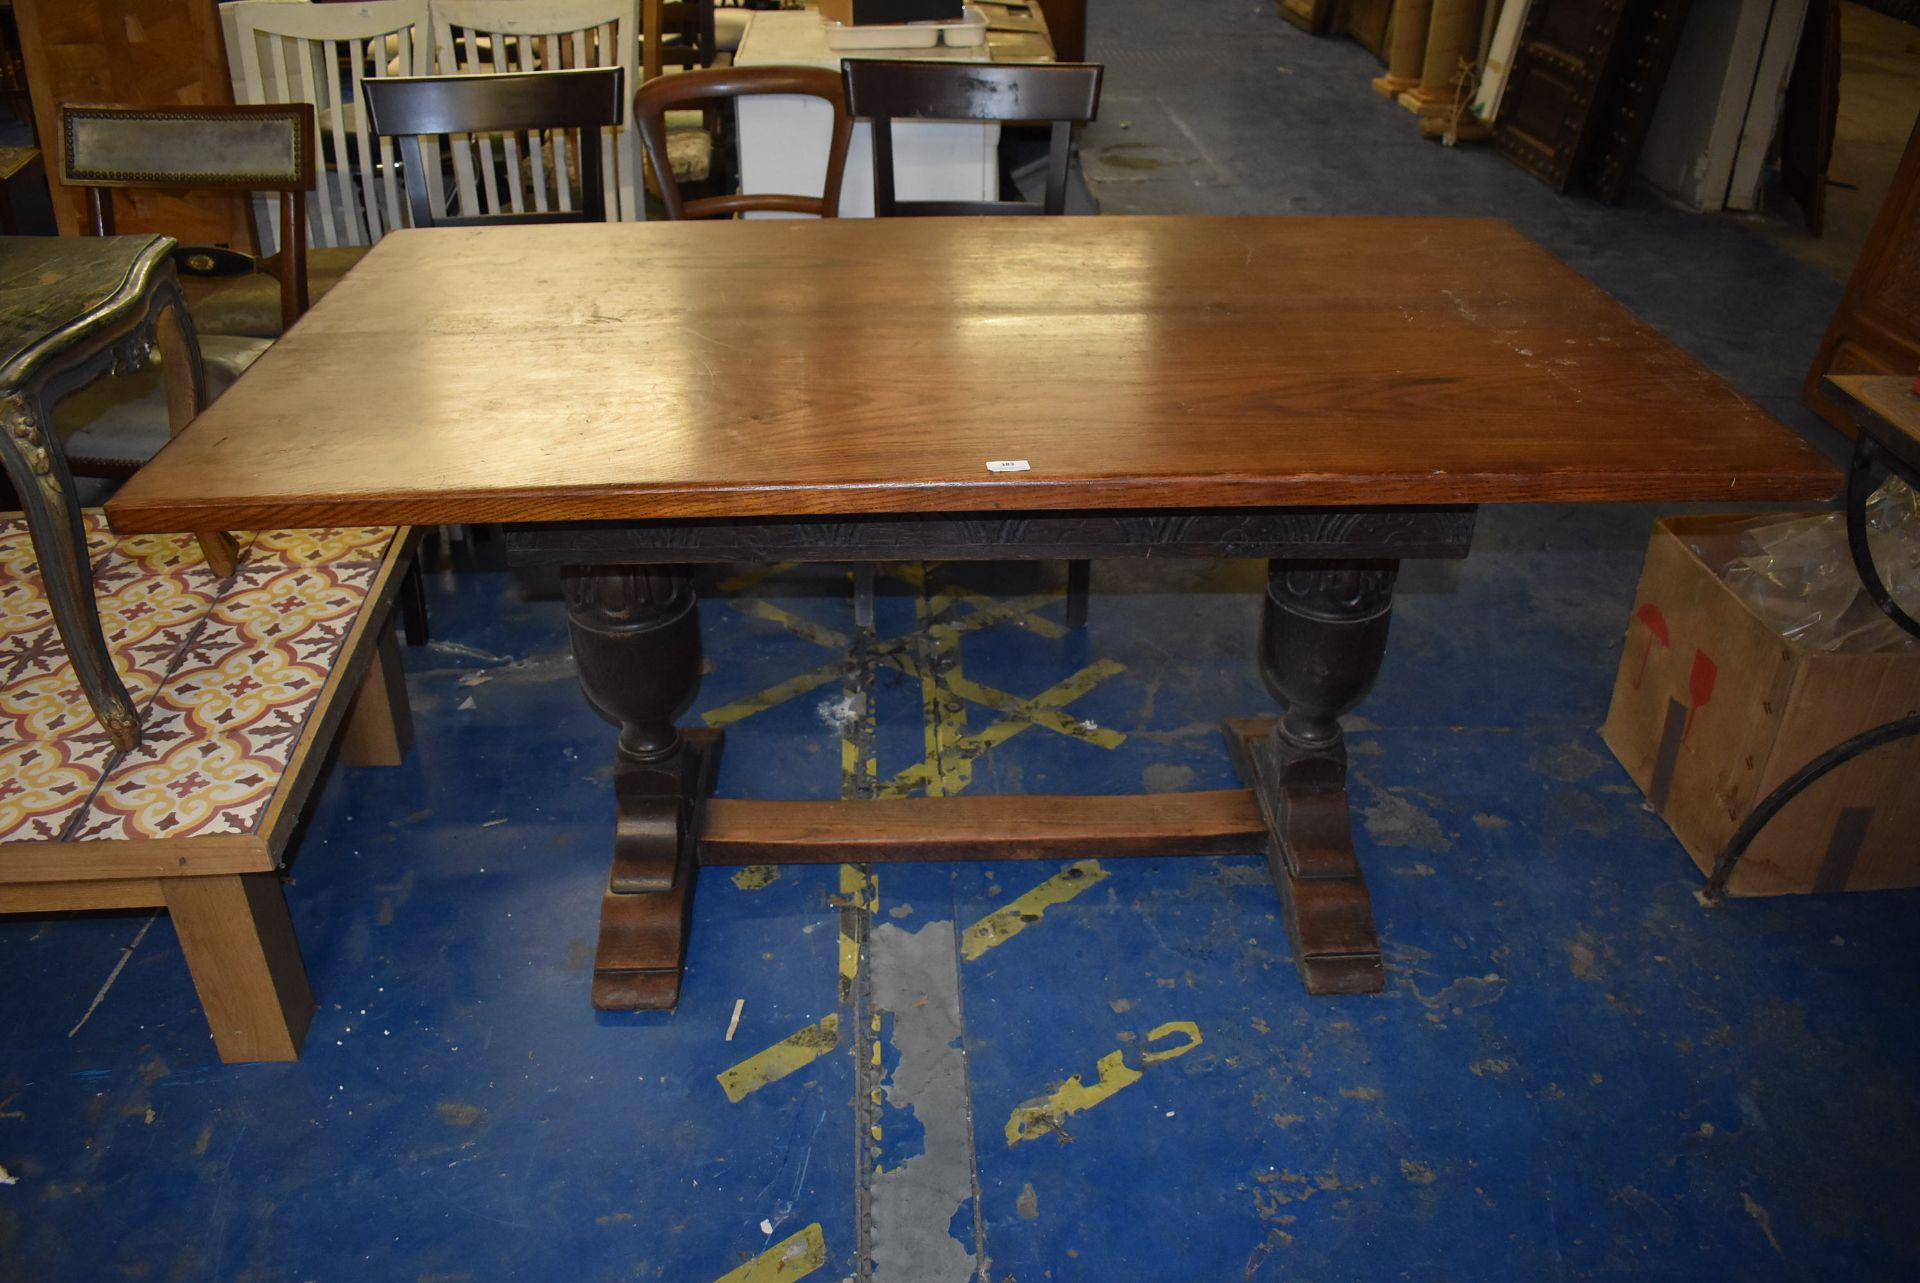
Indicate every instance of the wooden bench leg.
{"type": "Point", "coordinates": [245, 962]}
{"type": "Point", "coordinates": [379, 727]}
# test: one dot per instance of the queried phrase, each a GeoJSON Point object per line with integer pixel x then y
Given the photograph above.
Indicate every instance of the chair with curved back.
{"type": "Point", "coordinates": [589, 100]}
{"type": "Point", "coordinates": [671, 93]}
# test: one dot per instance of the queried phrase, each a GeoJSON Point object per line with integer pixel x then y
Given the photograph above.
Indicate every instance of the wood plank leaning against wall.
{"type": "Point", "coordinates": [140, 52]}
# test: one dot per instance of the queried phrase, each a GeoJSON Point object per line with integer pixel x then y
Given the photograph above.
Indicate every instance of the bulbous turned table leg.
{"type": "Point", "coordinates": [1323, 633]}
{"type": "Point", "coordinates": [636, 644]}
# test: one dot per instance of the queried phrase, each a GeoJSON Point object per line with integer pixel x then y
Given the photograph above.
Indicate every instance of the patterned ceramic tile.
{"type": "Point", "coordinates": [226, 676]}
{"type": "Point", "coordinates": [219, 733]}
{"type": "Point", "coordinates": [327, 544]}
{"type": "Point", "coordinates": [44, 784]}
{"type": "Point", "coordinates": [24, 611]}
{"type": "Point", "coordinates": [156, 554]}
{"type": "Point", "coordinates": [146, 622]}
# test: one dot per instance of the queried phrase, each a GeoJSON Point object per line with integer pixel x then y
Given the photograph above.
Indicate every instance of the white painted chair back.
{"type": "Point", "coordinates": [474, 37]}
{"type": "Point", "coordinates": [293, 51]}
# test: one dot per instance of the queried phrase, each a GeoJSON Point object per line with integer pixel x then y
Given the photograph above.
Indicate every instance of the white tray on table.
{"type": "Point", "coordinates": [967, 31]}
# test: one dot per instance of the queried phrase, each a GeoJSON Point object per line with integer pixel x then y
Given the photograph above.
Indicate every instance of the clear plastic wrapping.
{"type": "Point", "coordinates": [1799, 576]}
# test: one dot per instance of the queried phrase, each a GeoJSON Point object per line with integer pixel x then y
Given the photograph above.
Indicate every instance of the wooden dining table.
{"type": "Point", "coordinates": [1332, 395]}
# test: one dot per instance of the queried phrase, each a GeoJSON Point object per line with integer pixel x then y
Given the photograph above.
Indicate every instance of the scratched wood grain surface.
{"type": "Point", "coordinates": [790, 368]}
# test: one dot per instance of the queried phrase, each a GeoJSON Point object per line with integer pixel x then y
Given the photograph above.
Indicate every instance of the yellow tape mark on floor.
{"type": "Point", "coordinates": [795, 1051]}
{"type": "Point", "coordinates": [859, 889]}
{"type": "Point", "coordinates": [943, 715]}
{"type": "Point", "coordinates": [789, 1259]}
{"type": "Point", "coordinates": [1033, 711]}
{"type": "Point", "coordinates": [798, 625]}
{"type": "Point", "coordinates": [1045, 1115]}
{"type": "Point", "coordinates": [989, 610]}
{"type": "Point", "coordinates": [748, 576]}
{"type": "Point", "coordinates": [1003, 924]}
{"type": "Point", "coordinates": [778, 693]}
{"type": "Point", "coordinates": [951, 769]}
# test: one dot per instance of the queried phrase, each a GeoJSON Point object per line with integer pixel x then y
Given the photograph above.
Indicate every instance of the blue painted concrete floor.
{"type": "Point", "coordinates": [1091, 1071]}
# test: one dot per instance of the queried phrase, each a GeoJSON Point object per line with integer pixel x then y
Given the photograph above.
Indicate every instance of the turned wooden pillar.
{"type": "Point", "coordinates": [1453, 33]}
{"type": "Point", "coordinates": [1406, 48]}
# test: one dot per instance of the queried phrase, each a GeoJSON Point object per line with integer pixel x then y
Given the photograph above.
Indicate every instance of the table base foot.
{"type": "Point", "coordinates": [1329, 914]}
{"type": "Point", "coordinates": [649, 896]}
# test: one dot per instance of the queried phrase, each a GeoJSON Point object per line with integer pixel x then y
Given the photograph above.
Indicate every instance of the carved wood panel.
{"type": "Point", "coordinates": [1569, 50]}
{"type": "Point", "coordinates": [1650, 35]}
{"type": "Point", "coordinates": [137, 52]}
{"type": "Point", "coordinates": [1877, 327]}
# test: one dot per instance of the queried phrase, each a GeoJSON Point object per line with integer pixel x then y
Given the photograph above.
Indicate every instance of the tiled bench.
{"type": "Point", "coordinates": [241, 687]}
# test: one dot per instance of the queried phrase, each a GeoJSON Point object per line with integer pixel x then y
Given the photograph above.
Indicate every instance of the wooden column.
{"type": "Point", "coordinates": [1452, 34]}
{"type": "Point", "coordinates": [1406, 48]}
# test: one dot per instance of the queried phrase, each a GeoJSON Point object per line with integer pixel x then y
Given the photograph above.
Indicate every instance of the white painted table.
{"type": "Point", "coordinates": [783, 138]}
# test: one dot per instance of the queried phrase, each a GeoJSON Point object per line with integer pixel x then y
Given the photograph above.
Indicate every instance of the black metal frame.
{"type": "Point", "coordinates": [1867, 471]}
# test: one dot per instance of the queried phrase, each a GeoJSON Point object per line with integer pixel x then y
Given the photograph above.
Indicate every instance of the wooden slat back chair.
{"type": "Point", "coordinates": [590, 100]}
{"type": "Point", "coordinates": [500, 37]}
{"type": "Point", "coordinates": [668, 93]}
{"type": "Point", "coordinates": [282, 52]}
{"type": "Point", "coordinates": [680, 34]}
{"type": "Point", "coordinates": [251, 148]}
{"type": "Point", "coordinates": [1062, 94]}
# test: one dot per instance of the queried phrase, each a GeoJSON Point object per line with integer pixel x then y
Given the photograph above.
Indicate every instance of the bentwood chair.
{"type": "Point", "coordinates": [587, 100]}
{"type": "Point", "coordinates": [1061, 94]}
{"type": "Point", "coordinates": [675, 92]}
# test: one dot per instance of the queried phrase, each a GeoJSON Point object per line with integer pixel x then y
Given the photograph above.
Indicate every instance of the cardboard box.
{"type": "Point", "coordinates": [865, 13]}
{"type": "Point", "coordinates": [1713, 708]}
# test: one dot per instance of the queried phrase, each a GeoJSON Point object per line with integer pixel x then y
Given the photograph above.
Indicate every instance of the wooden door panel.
{"type": "Point", "coordinates": [1877, 327]}
{"type": "Point", "coordinates": [1549, 114]}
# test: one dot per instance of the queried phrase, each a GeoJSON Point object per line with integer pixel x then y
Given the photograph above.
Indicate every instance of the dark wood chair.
{"type": "Point", "coordinates": [586, 100]}
{"type": "Point", "coordinates": [115, 425]}
{"type": "Point", "coordinates": [669, 93]}
{"type": "Point", "coordinates": [111, 426]}
{"type": "Point", "coordinates": [236, 149]}
{"type": "Point", "coordinates": [1060, 94]}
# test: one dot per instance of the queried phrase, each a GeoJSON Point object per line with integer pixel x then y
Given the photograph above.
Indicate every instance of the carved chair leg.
{"type": "Point", "coordinates": [240, 947]}
{"type": "Point", "coordinates": [1322, 636]}
{"type": "Point", "coordinates": [186, 382]}
{"type": "Point", "coordinates": [636, 643]}
{"type": "Point", "coordinates": [379, 727]}
{"type": "Point", "coordinates": [44, 484]}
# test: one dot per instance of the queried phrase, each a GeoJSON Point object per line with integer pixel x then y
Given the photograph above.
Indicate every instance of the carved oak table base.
{"type": "Point", "coordinates": [636, 638]}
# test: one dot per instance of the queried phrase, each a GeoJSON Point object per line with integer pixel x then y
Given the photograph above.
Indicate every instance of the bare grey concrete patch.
{"type": "Point", "coordinates": [916, 980]}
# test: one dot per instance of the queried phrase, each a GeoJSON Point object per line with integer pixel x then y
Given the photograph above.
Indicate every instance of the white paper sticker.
{"type": "Point", "coordinates": [1008, 465]}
